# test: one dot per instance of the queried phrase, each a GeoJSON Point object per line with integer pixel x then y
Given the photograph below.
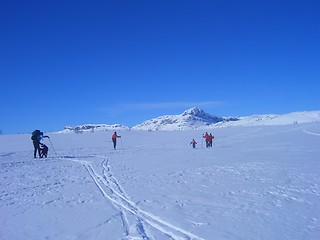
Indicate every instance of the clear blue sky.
{"type": "Point", "coordinates": [66, 62]}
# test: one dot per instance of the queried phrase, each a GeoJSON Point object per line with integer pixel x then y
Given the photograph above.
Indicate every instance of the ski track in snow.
{"type": "Point", "coordinates": [311, 133]}
{"type": "Point", "coordinates": [133, 218]}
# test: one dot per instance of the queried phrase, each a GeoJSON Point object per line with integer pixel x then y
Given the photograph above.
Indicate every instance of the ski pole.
{"type": "Point", "coordinates": [202, 142]}
{"type": "Point", "coordinates": [54, 151]}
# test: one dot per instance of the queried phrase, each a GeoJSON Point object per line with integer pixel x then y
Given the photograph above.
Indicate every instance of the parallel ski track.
{"type": "Point", "coordinates": [112, 190]}
{"type": "Point", "coordinates": [311, 133]}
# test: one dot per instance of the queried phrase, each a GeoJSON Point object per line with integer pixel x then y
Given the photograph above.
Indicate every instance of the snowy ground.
{"type": "Point", "coordinates": [255, 183]}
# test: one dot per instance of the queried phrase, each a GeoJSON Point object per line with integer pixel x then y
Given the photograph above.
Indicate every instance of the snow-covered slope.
{"type": "Point", "coordinates": [273, 119]}
{"type": "Point", "coordinates": [193, 118]}
{"type": "Point", "coordinates": [196, 118]}
{"type": "Point", "coordinates": [255, 183]}
{"type": "Point", "coordinates": [93, 128]}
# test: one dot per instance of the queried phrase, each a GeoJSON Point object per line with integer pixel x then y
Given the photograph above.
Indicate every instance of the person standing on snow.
{"type": "Point", "coordinates": [114, 139]}
{"type": "Point", "coordinates": [207, 138]}
{"type": "Point", "coordinates": [211, 140]}
{"type": "Point", "coordinates": [193, 142]}
{"type": "Point", "coordinates": [36, 137]}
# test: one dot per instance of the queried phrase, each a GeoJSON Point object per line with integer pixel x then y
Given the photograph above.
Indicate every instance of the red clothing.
{"type": "Point", "coordinates": [210, 137]}
{"type": "Point", "coordinates": [114, 136]}
{"type": "Point", "coordinates": [207, 137]}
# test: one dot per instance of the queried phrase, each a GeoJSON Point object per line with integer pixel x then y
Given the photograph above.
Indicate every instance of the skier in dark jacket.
{"type": "Point", "coordinates": [36, 138]}
{"type": "Point", "coordinates": [193, 142]}
{"type": "Point", "coordinates": [43, 150]}
{"type": "Point", "coordinates": [210, 140]}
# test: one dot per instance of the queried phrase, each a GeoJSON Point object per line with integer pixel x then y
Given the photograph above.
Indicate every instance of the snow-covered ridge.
{"type": "Point", "coordinates": [93, 128]}
{"type": "Point", "coordinates": [195, 118]}
{"type": "Point", "coordinates": [273, 119]}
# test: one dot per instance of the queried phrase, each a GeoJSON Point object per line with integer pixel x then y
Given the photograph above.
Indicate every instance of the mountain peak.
{"type": "Point", "coordinates": [195, 111]}
{"type": "Point", "coordinates": [192, 118]}
{"type": "Point", "coordinates": [197, 114]}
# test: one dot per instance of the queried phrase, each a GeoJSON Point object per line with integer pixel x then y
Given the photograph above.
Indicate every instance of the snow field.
{"type": "Point", "coordinates": [255, 183]}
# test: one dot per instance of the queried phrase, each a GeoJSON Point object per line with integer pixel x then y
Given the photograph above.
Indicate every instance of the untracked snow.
{"type": "Point", "coordinates": [258, 182]}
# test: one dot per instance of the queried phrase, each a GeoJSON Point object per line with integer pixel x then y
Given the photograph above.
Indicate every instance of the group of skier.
{"type": "Point", "coordinates": [39, 147]}
{"type": "Point", "coordinates": [42, 149]}
{"type": "Point", "coordinates": [208, 138]}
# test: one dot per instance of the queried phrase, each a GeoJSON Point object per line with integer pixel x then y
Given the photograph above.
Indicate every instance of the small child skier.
{"type": "Point", "coordinates": [193, 142]}
{"type": "Point", "coordinates": [43, 150]}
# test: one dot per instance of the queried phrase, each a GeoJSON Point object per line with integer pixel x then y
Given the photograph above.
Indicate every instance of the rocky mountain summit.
{"type": "Point", "coordinates": [193, 118]}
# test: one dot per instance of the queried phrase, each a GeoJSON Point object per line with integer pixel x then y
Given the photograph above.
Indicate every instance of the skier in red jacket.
{"type": "Point", "coordinates": [207, 138]}
{"type": "Point", "coordinates": [114, 139]}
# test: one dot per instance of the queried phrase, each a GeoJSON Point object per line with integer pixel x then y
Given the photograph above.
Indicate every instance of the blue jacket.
{"type": "Point", "coordinates": [39, 137]}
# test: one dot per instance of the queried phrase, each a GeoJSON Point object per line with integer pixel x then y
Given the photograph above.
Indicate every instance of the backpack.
{"type": "Point", "coordinates": [35, 135]}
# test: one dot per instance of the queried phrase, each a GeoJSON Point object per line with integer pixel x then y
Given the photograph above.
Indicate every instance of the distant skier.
{"type": "Point", "coordinates": [193, 142]}
{"type": "Point", "coordinates": [210, 139]}
{"type": "Point", "coordinates": [36, 137]}
{"type": "Point", "coordinates": [207, 138]}
{"type": "Point", "coordinates": [114, 139]}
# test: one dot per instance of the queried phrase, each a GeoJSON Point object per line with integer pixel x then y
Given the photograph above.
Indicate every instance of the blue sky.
{"type": "Point", "coordinates": [123, 61]}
